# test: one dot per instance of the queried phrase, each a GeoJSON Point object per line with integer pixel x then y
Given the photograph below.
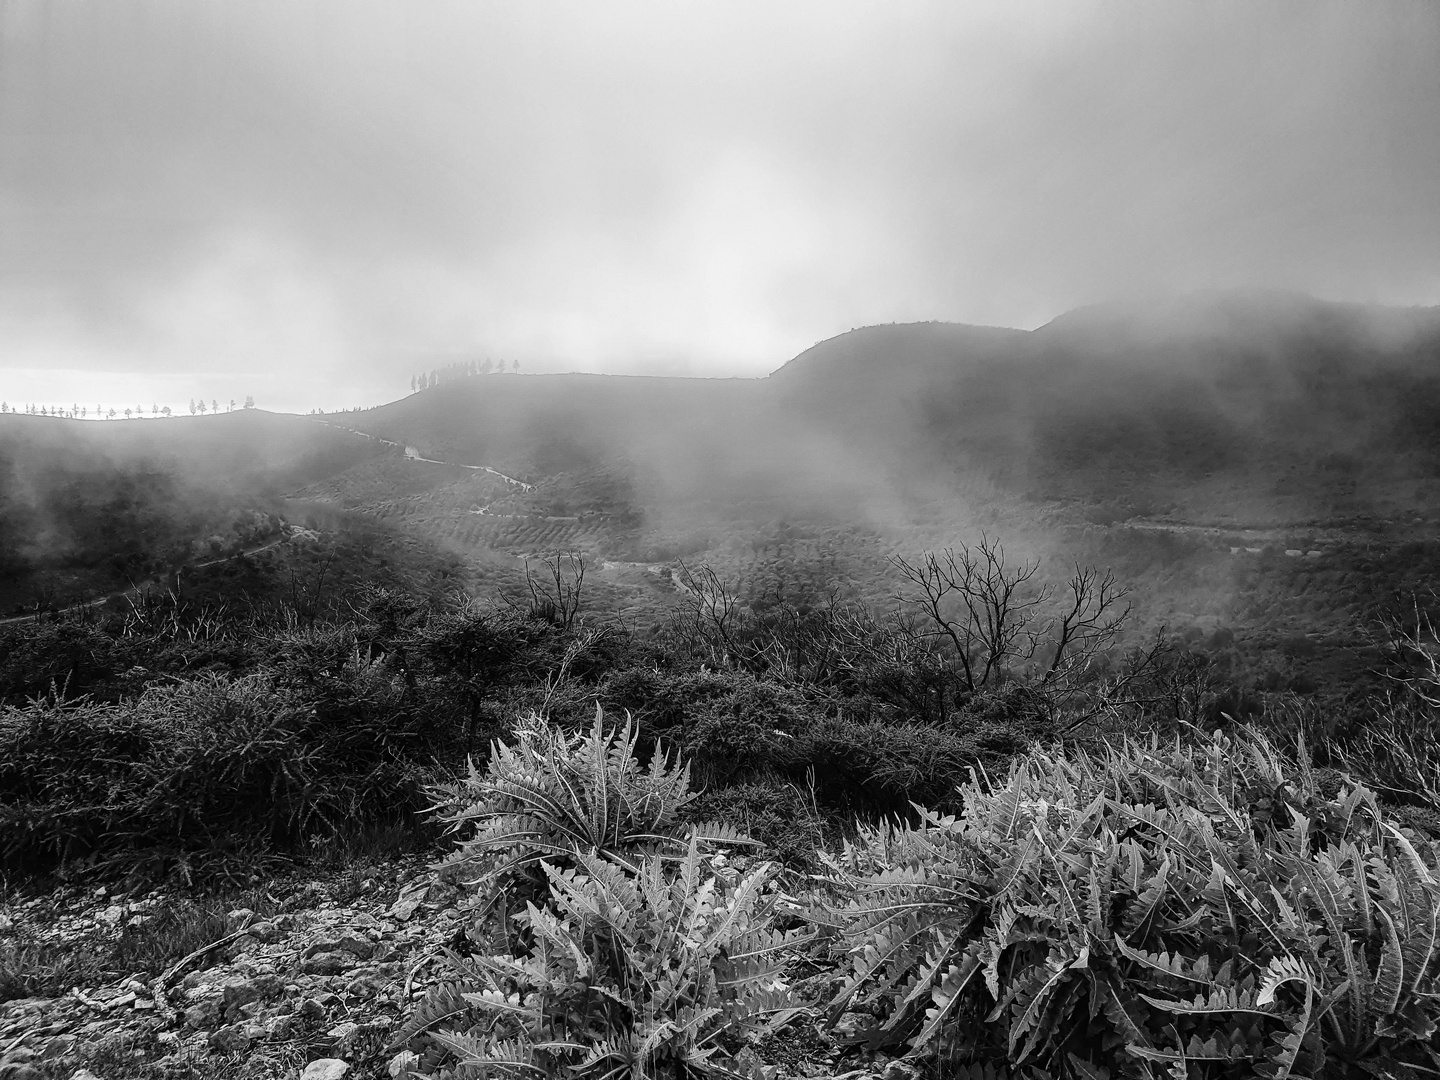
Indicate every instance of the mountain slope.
{"type": "Point", "coordinates": [86, 507]}
{"type": "Point", "coordinates": [1254, 406]}
{"type": "Point", "coordinates": [1198, 446]}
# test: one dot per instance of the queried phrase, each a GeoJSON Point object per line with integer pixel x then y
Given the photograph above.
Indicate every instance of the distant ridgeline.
{"type": "Point", "coordinates": [1189, 445]}
{"type": "Point", "coordinates": [460, 369]}
{"type": "Point", "coordinates": [76, 411]}
{"type": "Point", "coordinates": [86, 509]}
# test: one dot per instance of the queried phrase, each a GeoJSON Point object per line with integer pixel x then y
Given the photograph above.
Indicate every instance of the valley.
{"type": "Point", "coordinates": [248, 660]}
{"type": "Point", "coordinates": [1263, 464]}
{"type": "Point", "coordinates": [751, 541]}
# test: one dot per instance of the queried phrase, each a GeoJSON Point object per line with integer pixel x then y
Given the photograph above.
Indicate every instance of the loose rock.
{"type": "Point", "coordinates": [229, 1040]}
{"type": "Point", "coordinates": [325, 1069]}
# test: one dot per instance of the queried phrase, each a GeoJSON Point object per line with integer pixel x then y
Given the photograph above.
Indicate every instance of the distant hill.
{"type": "Point", "coordinates": [1253, 459]}
{"type": "Point", "coordinates": [660, 448]}
{"type": "Point", "coordinates": [248, 448]}
{"type": "Point", "coordinates": [1235, 407]}
{"type": "Point", "coordinates": [87, 507]}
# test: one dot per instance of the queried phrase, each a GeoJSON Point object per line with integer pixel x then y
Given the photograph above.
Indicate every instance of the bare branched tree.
{"type": "Point", "coordinates": [987, 611]}
{"type": "Point", "coordinates": [1414, 643]}
{"type": "Point", "coordinates": [996, 621]}
{"type": "Point", "coordinates": [1149, 676]}
{"type": "Point", "coordinates": [555, 680]}
{"type": "Point", "coordinates": [1094, 620]}
{"type": "Point", "coordinates": [712, 609]}
{"type": "Point", "coordinates": [555, 593]}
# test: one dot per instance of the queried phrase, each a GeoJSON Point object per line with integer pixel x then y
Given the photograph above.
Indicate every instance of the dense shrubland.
{"type": "Point", "coordinates": [179, 735]}
{"type": "Point", "coordinates": [1088, 868]}
{"type": "Point", "coordinates": [1210, 909]}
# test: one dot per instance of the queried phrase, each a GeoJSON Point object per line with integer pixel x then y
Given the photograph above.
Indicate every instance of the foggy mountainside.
{"type": "Point", "coordinates": [88, 508]}
{"type": "Point", "coordinates": [625, 623]}
{"type": "Point", "coordinates": [723, 541]}
{"type": "Point", "coordinates": [1189, 445]}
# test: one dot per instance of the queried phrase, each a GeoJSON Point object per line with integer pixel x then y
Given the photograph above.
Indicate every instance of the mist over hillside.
{"type": "Point", "coordinates": [1232, 408]}
{"type": "Point", "coordinates": [914, 553]}
{"type": "Point", "coordinates": [670, 683]}
{"type": "Point", "coordinates": [86, 508]}
{"type": "Point", "coordinates": [1188, 443]}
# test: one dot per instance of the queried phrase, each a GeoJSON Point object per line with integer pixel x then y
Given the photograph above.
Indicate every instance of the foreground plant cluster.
{"type": "Point", "coordinates": [203, 742]}
{"type": "Point", "coordinates": [1149, 909]}
{"type": "Point", "coordinates": [983, 848]}
{"type": "Point", "coordinates": [182, 739]}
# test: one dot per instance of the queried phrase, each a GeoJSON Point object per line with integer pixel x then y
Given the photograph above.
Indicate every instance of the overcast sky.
{"type": "Point", "coordinates": [309, 201]}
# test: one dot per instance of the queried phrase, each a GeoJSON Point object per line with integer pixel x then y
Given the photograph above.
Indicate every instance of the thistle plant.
{"type": "Point", "coordinates": [633, 970]}
{"type": "Point", "coordinates": [1192, 911]}
{"type": "Point", "coordinates": [557, 797]}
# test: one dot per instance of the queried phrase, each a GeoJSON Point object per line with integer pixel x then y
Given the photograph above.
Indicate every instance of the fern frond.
{"type": "Point", "coordinates": [947, 996]}
{"type": "Point", "coordinates": [1123, 1009]}
{"type": "Point", "coordinates": [1390, 974]}
{"type": "Point", "coordinates": [1219, 1000]}
{"type": "Point", "coordinates": [1140, 913]}
{"type": "Point", "coordinates": [1411, 858]}
{"type": "Point", "coordinates": [1029, 1007]}
{"type": "Point", "coordinates": [1283, 970]}
{"type": "Point", "coordinates": [1172, 965]}
{"type": "Point", "coordinates": [441, 1003]}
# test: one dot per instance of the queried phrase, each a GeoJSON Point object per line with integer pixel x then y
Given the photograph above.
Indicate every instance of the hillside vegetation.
{"type": "Point", "coordinates": [88, 508]}
{"type": "Point", "coordinates": [1262, 465]}
{"type": "Point", "coordinates": [954, 855]}
{"type": "Point", "coordinates": [957, 702]}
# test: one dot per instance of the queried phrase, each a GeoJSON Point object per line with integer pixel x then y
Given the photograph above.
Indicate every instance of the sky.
{"type": "Point", "coordinates": [308, 202]}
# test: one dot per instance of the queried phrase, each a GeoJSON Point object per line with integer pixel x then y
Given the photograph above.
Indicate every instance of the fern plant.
{"type": "Point", "coordinates": [555, 796]}
{"type": "Point", "coordinates": [1194, 911]}
{"type": "Point", "coordinates": [633, 970]}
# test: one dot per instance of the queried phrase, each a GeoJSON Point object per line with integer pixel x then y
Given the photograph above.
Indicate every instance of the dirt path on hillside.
{"type": "Point", "coordinates": [138, 587]}
{"type": "Point", "coordinates": [1309, 539]}
{"type": "Point", "coordinates": [412, 454]}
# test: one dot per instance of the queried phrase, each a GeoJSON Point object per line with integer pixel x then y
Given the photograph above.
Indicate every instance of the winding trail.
{"type": "Point", "coordinates": [1310, 539]}
{"type": "Point", "coordinates": [412, 454]}
{"type": "Point", "coordinates": [136, 588]}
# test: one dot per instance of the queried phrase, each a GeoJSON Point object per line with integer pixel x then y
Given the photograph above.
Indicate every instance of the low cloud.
{"type": "Point", "coordinates": [309, 196]}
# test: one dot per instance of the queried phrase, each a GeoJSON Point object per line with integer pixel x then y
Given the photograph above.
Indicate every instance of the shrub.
{"type": "Point", "coordinates": [213, 772]}
{"type": "Point", "coordinates": [871, 768]}
{"type": "Point", "coordinates": [1398, 753]}
{"type": "Point", "coordinates": [663, 701]}
{"type": "Point", "coordinates": [469, 656]}
{"type": "Point", "coordinates": [633, 970]}
{"type": "Point", "coordinates": [1016, 706]}
{"type": "Point", "coordinates": [1206, 910]}
{"type": "Point", "coordinates": [556, 796]}
{"type": "Point", "coordinates": [71, 653]}
{"type": "Point", "coordinates": [774, 814]}
{"type": "Point", "coordinates": [738, 733]}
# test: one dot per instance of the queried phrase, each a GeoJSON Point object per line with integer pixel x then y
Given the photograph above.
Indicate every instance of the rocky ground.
{"type": "Point", "coordinates": [311, 981]}
{"type": "Point", "coordinates": [322, 977]}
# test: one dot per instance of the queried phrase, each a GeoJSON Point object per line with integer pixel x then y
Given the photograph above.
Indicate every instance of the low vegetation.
{"type": "Point", "coordinates": [552, 795]}
{"type": "Point", "coordinates": [1211, 909]}
{"type": "Point", "coordinates": [638, 948]}
{"type": "Point", "coordinates": [1002, 840]}
{"type": "Point", "coordinates": [1204, 908]}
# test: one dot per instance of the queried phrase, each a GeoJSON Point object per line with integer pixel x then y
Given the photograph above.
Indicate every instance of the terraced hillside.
{"type": "Point", "coordinates": [1246, 461]}
{"type": "Point", "coordinates": [1266, 464]}
{"type": "Point", "coordinates": [89, 508]}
